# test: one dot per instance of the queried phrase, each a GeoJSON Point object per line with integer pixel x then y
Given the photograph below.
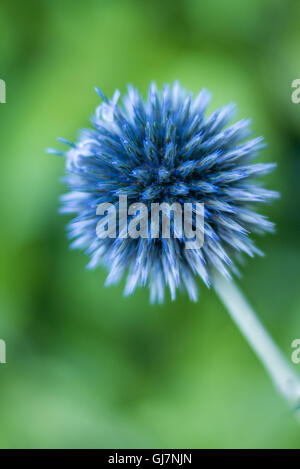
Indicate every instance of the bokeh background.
{"type": "Point", "coordinates": [85, 366]}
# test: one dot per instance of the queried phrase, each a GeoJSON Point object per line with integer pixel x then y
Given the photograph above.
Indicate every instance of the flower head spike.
{"type": "Point", "coordinates": [160, 150]}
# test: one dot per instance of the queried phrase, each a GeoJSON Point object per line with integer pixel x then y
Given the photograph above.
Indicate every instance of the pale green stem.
{"type": "Point", "coordinates": [281, 373]}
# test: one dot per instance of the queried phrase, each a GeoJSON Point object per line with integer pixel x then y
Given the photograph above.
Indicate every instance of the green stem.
{"type": "Point", "coordinates": [281, 373]}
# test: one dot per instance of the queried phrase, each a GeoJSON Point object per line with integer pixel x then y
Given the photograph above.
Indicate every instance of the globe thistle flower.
{"type": "Point", "coordinates": [166, 150]}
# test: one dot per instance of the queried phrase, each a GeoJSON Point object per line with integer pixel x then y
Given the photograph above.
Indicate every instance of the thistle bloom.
{"type": "Point", "coordinates": [166, 150]}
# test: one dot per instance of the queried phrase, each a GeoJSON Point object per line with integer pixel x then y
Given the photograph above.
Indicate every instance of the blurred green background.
{"type": "Point", "coordinates": [85, 366]}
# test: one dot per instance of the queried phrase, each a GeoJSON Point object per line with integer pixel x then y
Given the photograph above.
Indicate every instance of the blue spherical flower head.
{"type": "Point", "coordinates": [160, 150]}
